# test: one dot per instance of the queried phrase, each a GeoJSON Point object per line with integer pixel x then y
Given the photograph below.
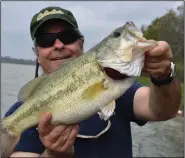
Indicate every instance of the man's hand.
{"type": "Point", "coordinates": [58, 140]}
{"type": "Point", "coordinates": [158, 103]}
{"type": "Point", "coordinates": [157, 61]}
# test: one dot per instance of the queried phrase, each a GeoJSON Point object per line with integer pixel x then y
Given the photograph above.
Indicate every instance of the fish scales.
{"type": "Point", "coordinates": [82, 73]}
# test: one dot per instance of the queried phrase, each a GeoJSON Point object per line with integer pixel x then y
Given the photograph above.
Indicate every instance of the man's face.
{"type": "Point", "coordinates": [51, 58]}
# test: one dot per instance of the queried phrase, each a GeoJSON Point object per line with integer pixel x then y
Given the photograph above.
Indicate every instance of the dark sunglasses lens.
{"type": "Point", "coordinates": [46, 40]}
{"type": "Point", "coordinates": [69, 36]}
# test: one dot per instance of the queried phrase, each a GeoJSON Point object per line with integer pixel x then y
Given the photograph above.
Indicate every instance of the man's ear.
{"type": "Point", "coordinates": [82, 43]}
{"type": "Point", "coordinates": [35, 50]}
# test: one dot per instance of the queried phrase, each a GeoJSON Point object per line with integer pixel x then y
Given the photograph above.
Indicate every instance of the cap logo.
{"type": "Point", "coordinates": [54, 11]}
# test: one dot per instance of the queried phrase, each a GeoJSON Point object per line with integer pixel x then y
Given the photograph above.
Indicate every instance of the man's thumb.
{"type": "Point", "coordinates": [45, 117]}
{"type": "Point", "coordinates": [44, 122]}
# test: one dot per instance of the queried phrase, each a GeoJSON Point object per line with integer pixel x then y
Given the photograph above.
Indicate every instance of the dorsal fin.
{"type": "Point", "coordinates": [28, 89]}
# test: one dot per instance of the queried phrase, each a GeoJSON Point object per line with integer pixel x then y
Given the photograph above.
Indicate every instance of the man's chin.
{"type": "Point", "coordinates": [56, 64]}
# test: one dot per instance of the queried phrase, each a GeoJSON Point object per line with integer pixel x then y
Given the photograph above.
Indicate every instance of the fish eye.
{"type": "Point", "coordinates": [116, 34]}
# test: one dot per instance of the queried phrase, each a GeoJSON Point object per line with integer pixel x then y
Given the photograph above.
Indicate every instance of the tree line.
{"type": "Point", "coordinates": [8, 59]}
{"type": "Point", "coordinates": [170, 28]}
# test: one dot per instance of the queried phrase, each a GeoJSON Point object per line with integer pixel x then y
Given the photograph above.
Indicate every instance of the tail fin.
{"type": "Point", "coordinates": [8, 141]}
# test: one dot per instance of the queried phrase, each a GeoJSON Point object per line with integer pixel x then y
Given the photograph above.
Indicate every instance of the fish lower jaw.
{"type": "Point", "coordinates": [114, 74]}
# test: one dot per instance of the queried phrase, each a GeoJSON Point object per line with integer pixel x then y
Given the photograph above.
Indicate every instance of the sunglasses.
{"type": "Point", "coordinates": [68, 36]}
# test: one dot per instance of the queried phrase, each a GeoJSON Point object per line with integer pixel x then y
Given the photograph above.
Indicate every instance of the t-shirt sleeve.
{"type": "Point", "coordinates": [13, 108]}
{"type": "Point", "coordinates": [29, 140]}
{"type": "Point", "coordinates": [126, 105]}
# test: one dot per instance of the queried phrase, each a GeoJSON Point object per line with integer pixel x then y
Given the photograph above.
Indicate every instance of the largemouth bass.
{"type": "Point", "coordinates": [80, 88]}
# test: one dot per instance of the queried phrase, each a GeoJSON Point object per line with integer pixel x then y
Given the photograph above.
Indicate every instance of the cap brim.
{"type": "Point", "coordinates": [50, 18]}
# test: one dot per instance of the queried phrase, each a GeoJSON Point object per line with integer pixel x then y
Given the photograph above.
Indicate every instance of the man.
{"type": "Point", "coordinates": [53, 42]}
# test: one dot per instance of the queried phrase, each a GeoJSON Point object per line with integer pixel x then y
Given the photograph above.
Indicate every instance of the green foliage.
{"type": "Point", "coordinates": [152, 31]}
{"type": "Point", "coordinates": [180, 70]}
{"type": "Point", "coordinates": [182, 100]}
{"type": "Point", "coordinates": [170, 28]}
{"type": "Point", "coordinates": [144, 80]}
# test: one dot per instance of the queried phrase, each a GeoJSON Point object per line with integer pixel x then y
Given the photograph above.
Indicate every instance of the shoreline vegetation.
{"type": "Point", "coordinates": [10, 60]}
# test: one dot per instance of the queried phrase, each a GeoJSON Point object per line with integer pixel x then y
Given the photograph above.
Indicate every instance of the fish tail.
{"type": "Point", "coordinates": [8, 141]}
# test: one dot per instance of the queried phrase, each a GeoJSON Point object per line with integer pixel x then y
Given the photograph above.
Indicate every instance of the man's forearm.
{"type": "Point", "coordinates": [165, 100]}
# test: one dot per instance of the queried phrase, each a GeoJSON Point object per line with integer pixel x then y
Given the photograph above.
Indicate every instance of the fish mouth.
{"type": "Point", "coordinates": [114, 74]}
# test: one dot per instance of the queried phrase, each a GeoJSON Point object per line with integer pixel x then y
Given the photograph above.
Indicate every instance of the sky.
{"type": "Point", "coordinates": [96, 19]}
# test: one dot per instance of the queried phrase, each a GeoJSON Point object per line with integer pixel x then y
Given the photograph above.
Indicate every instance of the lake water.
{"type": "Point", "coordinates": [161, 139]}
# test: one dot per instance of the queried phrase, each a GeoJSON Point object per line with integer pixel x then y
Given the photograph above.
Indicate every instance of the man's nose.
{"type": "Point", "coordinates": [58, 44]}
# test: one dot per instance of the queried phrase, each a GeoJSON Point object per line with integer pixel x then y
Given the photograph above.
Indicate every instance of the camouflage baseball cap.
{"type": "Point", "coordinates": [51, 13]}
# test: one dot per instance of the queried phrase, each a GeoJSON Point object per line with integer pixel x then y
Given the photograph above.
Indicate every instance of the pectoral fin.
{"type": "Point", "coordinates": [28, 89]}
{"type": "Point", "coordinates": [93, 91]}
{"type": "Point", "coordinates": [107, 111]}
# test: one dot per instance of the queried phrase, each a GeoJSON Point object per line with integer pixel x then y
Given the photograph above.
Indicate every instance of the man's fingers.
{"type": "Point", "coordinates": [161, 49]}
{"type": "Point", "coordinates": [44, 125]}
{"type": "Point", "coordinates": [163, 64]}
{"type": "Point", "coordinates": [56, 133]}
{"type": "Point", "coordinates": [64, 137]}
{"type": "Point", "coordinates": [156, 72]}
{"type": "Point", "coordinates": [59, 132]}
{"type": "Point", "coordinates": [71, 139]}
{"type": "Point", "coordinates": [154, 59]}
